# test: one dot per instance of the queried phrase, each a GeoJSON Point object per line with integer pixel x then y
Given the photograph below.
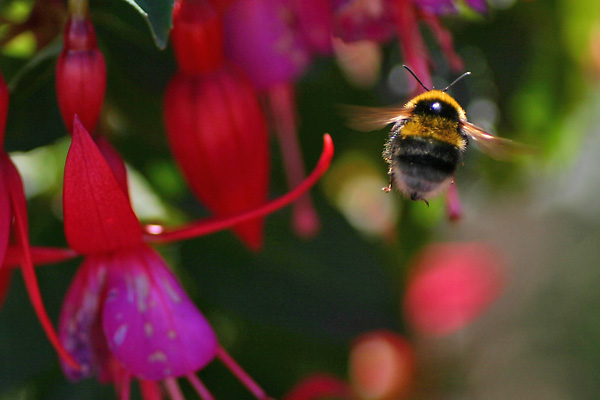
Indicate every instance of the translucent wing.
{"type": "Point", "coordinates": [494, 146]}
{"type": "Point", "coordinates": [367, 119]}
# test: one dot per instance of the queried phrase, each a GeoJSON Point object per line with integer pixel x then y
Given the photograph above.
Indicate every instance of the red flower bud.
{"type": "Point", "coordinates": [80, 75]}
{"type": "Point", "coordinates": [197, 36]}
{"type": "Point", "coordinates": [218, 135]}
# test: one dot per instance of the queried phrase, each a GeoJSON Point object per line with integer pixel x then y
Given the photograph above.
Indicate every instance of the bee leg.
{"type": "Point", "coordinates": [388, 188]}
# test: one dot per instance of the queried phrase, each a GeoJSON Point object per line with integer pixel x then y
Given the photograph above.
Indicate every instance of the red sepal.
{"type": "Point", "coordinates": [12, 180]}
{"type": "Point", "coordinates": [97, 211]}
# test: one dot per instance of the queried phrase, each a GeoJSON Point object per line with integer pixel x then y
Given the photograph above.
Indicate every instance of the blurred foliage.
{"type": "Point", "coordinates": [293, 308]}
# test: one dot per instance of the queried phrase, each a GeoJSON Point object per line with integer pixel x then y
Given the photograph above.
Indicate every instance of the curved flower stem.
{"type": "Point", "coordinates": [282, 105]}
{"type": "Point", "coordinates": [200, 388]}
{"type": "Point", "coordinates": [204, 227]}
{"type": "Point", "coordinates": [18, 203]}
{"type": "Point", "coordinates": [242, 375]}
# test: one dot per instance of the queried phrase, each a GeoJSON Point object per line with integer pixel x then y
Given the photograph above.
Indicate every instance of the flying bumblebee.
{"type": "Point", "coordinates": [429, 136]}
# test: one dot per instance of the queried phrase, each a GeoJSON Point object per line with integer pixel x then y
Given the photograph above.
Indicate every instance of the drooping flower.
{"type": "Point", "coordinates": [80, 71]}
{"type": "Point", "coordinates": [262, 38]}
{"type": "Point", "coordinates": [125, 315]}
{"type": "Point", "coordinates": [215, 126]}
{"type": "Point", "coordinates": [13, 219]}
{"type": "Point", "coordinates": [452, 284]}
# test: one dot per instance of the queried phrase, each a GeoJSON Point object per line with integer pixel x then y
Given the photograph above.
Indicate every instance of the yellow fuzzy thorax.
{"type": "Point", "coordinates": [436, 128]}
{"type": "Point", "coordinates": [441, 96]}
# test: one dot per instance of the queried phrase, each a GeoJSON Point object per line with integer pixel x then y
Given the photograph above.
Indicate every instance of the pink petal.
{"type": "Point", "coordinates": [151, 325]}
{"type": "Point", "coordinates": [98, 215]}
{"type": "Point", "coordinates": [79, 325]}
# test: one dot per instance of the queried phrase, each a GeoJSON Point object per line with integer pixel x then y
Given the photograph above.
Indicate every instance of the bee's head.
{"type": "Point", "coordinates": [436, 107]}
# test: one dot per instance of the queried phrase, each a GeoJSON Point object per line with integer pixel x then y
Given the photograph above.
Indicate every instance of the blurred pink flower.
{"type": "Point", "coordinates": [451, 285]}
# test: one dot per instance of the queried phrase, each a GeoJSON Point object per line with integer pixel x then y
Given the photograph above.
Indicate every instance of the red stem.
{"type": "Point", "coordinates": [282, 104]}
{"type": "Point", "coordinates": [204, 227]}
{"type": "Point", "coordinates": [242, 375]}
{"type": "Point", "coordinates": [413, 48]}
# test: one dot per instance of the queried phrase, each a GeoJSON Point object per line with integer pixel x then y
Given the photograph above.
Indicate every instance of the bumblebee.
{"type": "Point", "coordinates": [428, 138]}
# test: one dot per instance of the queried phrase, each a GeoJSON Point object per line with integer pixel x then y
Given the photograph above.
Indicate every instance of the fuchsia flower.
{"type": "Point", "coordinates": [263, 38]}
{"type": "Point", "coordinates": [13, 220]}
{"type": "Point", "coordinates": [452, 284]}
{"type": "Point", "coordinates": [80, 72]}
{"type": "Point", "coordinates": [214, 122]}
{"type": "Point", "coordinates": [125, 315]}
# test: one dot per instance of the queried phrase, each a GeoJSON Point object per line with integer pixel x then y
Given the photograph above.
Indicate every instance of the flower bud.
{"type": "Point", "coordinates": [80, 75]}
{"type": "Point", "coordinates": [218, 135]}
{"type": "Point", "coordinates": [197, 36]}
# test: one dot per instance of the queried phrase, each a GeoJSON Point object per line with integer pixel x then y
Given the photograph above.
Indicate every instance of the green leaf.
{"type": "Point", "coordinates": [157, 14]}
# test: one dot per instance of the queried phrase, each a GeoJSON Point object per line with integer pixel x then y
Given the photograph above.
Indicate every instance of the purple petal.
{"type": "Point", "coordinates": [478, 5]}
{"type": "Point", "coordinates": [151, 325]}
{"type": "Point", "coordinates": [355, 20]}
{"type": "Point", "coordinates": [79, 327]}
{"type": "Point", "coordinates": [437, 6]}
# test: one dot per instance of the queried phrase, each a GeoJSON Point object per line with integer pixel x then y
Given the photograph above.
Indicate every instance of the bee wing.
{"type": "Point", "coordinates": [367, 119]}
{"type": "Point", "coordinates": [494, 146]}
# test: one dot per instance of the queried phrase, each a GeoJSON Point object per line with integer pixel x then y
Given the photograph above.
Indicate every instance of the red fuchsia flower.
{"type": "Point", "coordinates": [125, 315]}
{"type": "Point", "coordinates": [262, 38]}
{"type": "Point", "coordinates": [382, 367]}
{"type": "Point", "coordinates": [13, 222]}
{"type": "Point", "coordinates": [80, 71]}
{"type": "Point", "coordinates": [452, 284]}
{"type": "Point", "coordinates": [215, 126]}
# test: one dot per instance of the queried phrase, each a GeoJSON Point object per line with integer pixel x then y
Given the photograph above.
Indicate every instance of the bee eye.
{"type": "Point", "coordinates": [436, 107]}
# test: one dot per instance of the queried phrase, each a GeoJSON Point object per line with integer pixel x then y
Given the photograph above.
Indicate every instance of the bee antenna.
{"type": "Point", "coordinates": [418, 80]}
{"type": "Point", "coordinates": [456, 80]}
